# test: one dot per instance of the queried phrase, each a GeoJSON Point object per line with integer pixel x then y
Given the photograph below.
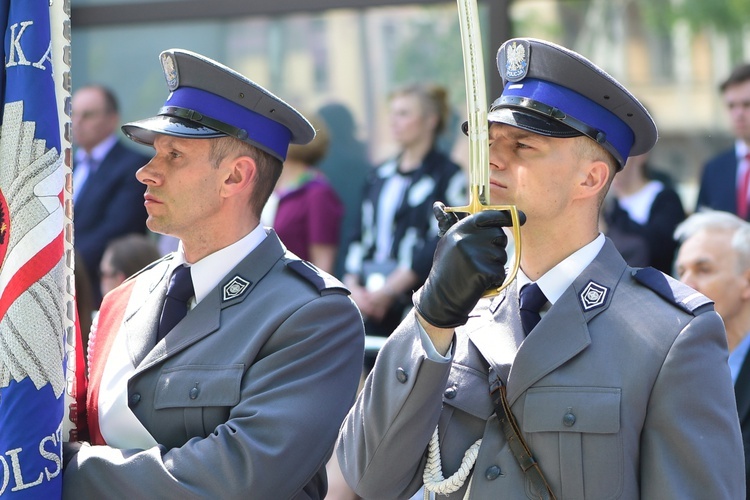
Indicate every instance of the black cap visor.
{"type": "Point", "coordinates": [144, 131]}
{"type": "Point", "coordinates": [533, 122]}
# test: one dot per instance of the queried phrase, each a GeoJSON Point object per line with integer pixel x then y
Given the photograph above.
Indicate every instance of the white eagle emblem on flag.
{"type": "Point", "coordinates": [32, 306]}
{"type": "Point", "coordinates": [515, 61]}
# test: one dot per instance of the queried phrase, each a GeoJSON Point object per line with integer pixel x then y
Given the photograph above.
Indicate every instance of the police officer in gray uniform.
{"type": "Point", "coordinates": [620, 390]}
{"type": "Point", "coordinates": [224, 369]}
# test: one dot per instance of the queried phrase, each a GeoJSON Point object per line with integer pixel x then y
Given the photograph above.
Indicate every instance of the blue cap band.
{"type": "Point", "coordinates": [616, 132]}
{"type": "Point", "coordinates": [255, 127]}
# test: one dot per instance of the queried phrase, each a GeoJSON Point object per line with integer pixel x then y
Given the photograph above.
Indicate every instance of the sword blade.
{"type": "Point", "coordinates": [476, 102]}
{"type": "Point", "coordinates": [478, 132]}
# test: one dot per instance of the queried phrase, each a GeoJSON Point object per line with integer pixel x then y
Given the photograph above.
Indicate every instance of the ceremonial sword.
{"type": "Point", "coordinates": [478, 132]}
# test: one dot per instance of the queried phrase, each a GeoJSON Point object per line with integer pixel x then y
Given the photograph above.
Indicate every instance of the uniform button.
{"type": "Point", "coordinates": [450, 392]}
{"type": "Point", "coordinates": [401, 375]}
{"type": "Point", "coordinates": [194, 392]}
{"type": "Point", "coordinates": [569, 419]}
{"type": "Point", "coordinates": [492, 472]}
{"type": "Point", "coordinates": [135, 398]}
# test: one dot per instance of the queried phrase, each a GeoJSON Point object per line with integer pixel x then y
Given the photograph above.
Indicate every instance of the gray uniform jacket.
{"type": "Point", "coordinates": [619, 394]}
{"type": "Point", "coordinates": [245, 396]}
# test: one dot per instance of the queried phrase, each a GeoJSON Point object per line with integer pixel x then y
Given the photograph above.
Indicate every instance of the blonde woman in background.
{"type": "Point", "coordinates": [392, 255]}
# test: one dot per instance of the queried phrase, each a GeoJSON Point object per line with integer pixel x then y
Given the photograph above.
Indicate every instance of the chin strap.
{"type": "Point", "coordinates": [433, 479]}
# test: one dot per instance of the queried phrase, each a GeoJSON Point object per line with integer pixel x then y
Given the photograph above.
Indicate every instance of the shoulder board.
{"type": "Point", "coordinates": [324, 282]}
{"type": "Point", "coordinates": [167, 257]}
{"type": "Point", "coordinates": [670, 289]}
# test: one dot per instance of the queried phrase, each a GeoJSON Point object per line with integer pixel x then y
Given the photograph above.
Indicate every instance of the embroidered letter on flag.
{"type": "Point", "coordinates": [33, 297]}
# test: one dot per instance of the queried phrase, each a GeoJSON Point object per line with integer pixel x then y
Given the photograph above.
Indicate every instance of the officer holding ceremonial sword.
{"type": "Point", "coordinates": [580, 378]}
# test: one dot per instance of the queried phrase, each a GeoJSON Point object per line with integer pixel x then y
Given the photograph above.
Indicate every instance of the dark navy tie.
{"type": "Point", "coordinates": [532, 299]}
{"type": "Point", "coordinates": [179, 292]}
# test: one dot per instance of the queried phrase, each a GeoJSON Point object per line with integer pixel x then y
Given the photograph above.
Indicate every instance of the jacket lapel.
{"type": "Point", "coordinates": [549, 346]}
{"type": "Point", "coordinates": [205, 318]}
{"type": "Point", "coordinates": [141, 319]}
{"type": "Point", "coordinates": [493, 331]}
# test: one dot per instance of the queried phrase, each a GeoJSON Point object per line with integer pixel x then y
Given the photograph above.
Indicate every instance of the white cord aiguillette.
{"type": "Point", "coordinates": [434, 482]}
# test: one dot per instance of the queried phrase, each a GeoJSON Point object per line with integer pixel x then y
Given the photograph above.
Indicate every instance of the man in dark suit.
{"type": "Point", "coordinates": [714, 258]}
{"type": "Point", "coordinates": [107, 197]}
{"type": "Point", "coordinates": [224, 369]}
{"type": "Point", "coordinates": [725, 183]}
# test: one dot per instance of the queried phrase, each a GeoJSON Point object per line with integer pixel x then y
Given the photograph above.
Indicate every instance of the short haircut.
{"type": "Point", "coordinates": [712, 220]}
{"type": "Point", "coordinates": [130, 253]}
{"type": "Point", "coordinates": [591, 150]}
{"type": "Point", "coordinates": [740, 74]}
{"type": "Point", "coordinates": [269, 167]}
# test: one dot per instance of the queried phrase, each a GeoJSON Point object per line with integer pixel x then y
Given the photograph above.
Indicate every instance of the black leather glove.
{"type": "Point", "coordinates": [445, 220]}
{"type": "Point", "coordinates": [470, 259]}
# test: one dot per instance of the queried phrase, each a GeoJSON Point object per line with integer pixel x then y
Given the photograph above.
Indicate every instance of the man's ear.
{"type": "Point", "coordinates": [745, 293]}
{"type": "Point", "coordinates": [242, 174]}
{"type": "Point", "coordinates": [594, 178]}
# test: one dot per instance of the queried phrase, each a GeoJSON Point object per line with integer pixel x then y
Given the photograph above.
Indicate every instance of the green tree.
{"type": "Point", "coordinates": [430, 50]}
{"type": "Point", "coordinates": [729, 17]}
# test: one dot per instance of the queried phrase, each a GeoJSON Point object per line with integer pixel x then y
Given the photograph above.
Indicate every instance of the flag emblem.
{"type": "Point", "coordinates": [33, 288]}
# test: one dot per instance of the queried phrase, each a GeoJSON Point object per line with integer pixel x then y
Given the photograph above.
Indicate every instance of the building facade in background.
{"type": "Point", "coordinates": [354, 56]}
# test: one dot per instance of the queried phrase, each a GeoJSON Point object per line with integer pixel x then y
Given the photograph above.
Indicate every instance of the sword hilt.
{"type": "Point", "coordinates": [517, 218]}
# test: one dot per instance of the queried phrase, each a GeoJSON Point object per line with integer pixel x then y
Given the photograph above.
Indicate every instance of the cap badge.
{"type": "Point", "coordinates": [170, 71]}
{"type": "Point", "coordinates": [593, 296]}
{"type": "Point", "coordinates": [235, 288]}
{"type": "Point", "coordinates": [516, 61]}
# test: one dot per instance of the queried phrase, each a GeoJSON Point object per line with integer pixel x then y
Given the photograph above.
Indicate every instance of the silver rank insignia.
{"type": "Point", "coordinates": [235, 288]}
{"type": "Point", "coordinates": [593, 295]}
{"type": "Point", "coordinates": [170, 71]}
